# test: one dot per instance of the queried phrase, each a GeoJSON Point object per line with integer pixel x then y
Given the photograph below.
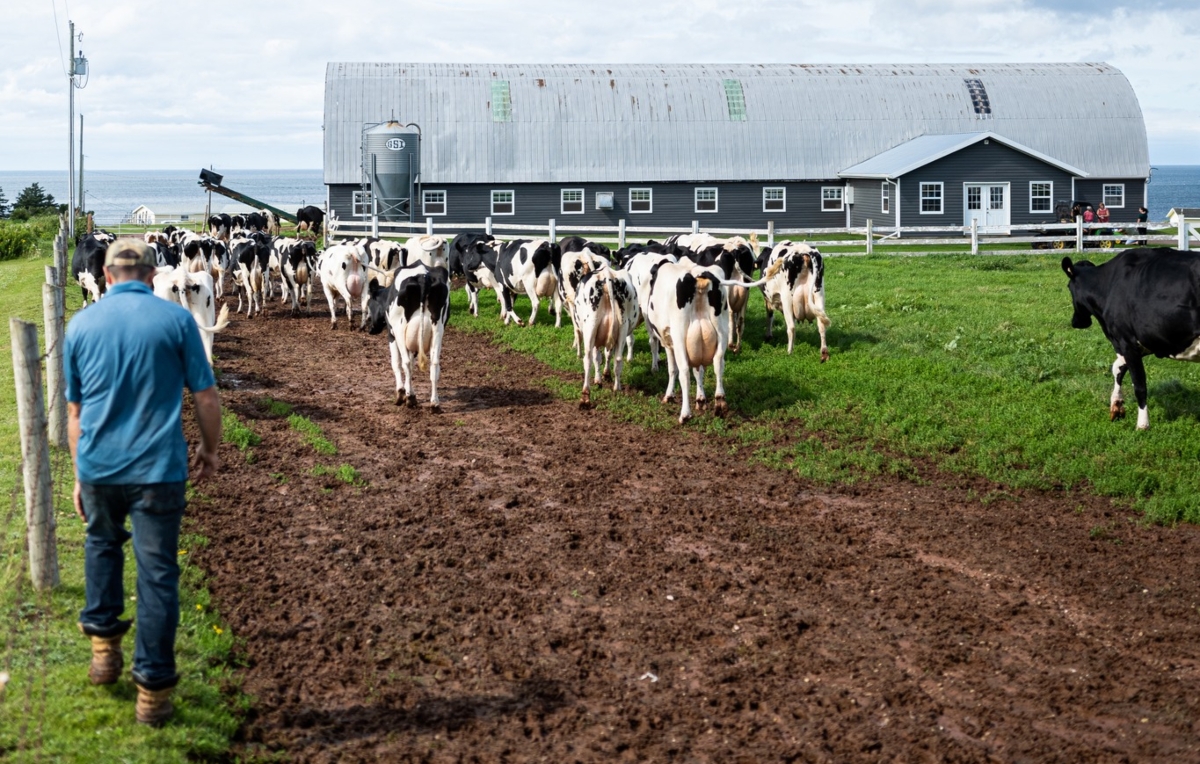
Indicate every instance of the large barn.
{"type": "Point", "coordinates": [732, 144]}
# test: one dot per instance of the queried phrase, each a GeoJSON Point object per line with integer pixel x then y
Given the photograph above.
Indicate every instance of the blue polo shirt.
{"type": "Point", "coordinates": [127, 359]}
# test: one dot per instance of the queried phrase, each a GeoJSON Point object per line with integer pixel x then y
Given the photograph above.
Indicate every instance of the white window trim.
{"type": "Point", "coordinates": [365, 204]}
{"type": "Point", "coordinates": [445, 202]}
{"type": "Point", "coordinates": [885, 195]}
{"type": "Point", "coordinates": [632, 211]}
{"type": "Point", "coordinates": [562, 201]}
{"type": "Point", "coordinates": [716, 200]}
{"type": "Point", "coordinates": [1050, 211]}
{"type": "Point", "coordinates": [784, 199]}
{"type": "Point", "coordinates": [1121, 186]}
{"type": "Point", "coordinates": [841, 198]}
{"type": "Point", "coordinates": [941, 197]}
{"type": "Point", "coordinates": [513, 202]}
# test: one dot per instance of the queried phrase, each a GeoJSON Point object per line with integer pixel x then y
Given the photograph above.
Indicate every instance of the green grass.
{"type": "Point", "coordinates": [968, 363]}
{"type": "Point", "coordinates": [343, 472]}
{"type": "Point", "coordinates": [237, 432]}
{"type": "Point", "coordinates": [49, 711]}
{"type": "Point", "coordinates": [313, 435]}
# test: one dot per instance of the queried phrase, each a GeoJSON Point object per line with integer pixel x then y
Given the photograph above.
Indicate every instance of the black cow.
{"type": "Point", "coordinates": [415, 309]}
{"type": "Point", "coordinates": [578, 244]}
{"type": "Point", "coordinates": [238, 222]}
{"type": "Point", "coordinates": [459, 246]}
{"type": "Point", "coordinates": [1147, 302]}
{"type": "Point", "coordinates": [310, 218]}
{"type": "Point", "coordinates": [256, 221]}
{"type": "Point", "coordinates": [87, 265]}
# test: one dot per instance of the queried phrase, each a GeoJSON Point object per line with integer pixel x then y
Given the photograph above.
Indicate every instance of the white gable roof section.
{"type": "Point", "coordinates": [919, 152]}
{"type": "Point", "coordinates": [641, 122]}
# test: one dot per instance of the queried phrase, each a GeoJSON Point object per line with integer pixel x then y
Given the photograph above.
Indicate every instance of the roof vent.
{"type": "Point", "coordinates": [979, 98]}
{"type": "Point", "coordinates": [735, 100]}
{"type": "Point", "coordinates": [501, 101]}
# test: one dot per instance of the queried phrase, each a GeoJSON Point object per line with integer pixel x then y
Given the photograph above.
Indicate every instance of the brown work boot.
{"type": "Point", "coordinates": [107, 658]}
{"type": "Point", "coordinates": [154, 706]}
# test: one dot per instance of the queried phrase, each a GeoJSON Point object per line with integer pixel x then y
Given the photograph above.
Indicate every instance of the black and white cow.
{"type": "Point", "coordinates": [195, 292]}
{"type": "Point", "coordinates": [87, 265]}
{"type": "Point", "coordinates": [794, 277]}
{"type": "Point", "coordinates": [342, 269]}
{"type": "Point", "coordinates": [459, 246]}
{"type": "Point", "coordinates": [640, 266]}
{"type": "Point", "coordinates": [310, 219]}
{"type": "Point", "coordinates": [220, 225]}
{"type": "Point", "coordinates": [605, 312]}
{"type": "Point", "coordinates": [414, 309]}
{"type": "Point", "coordinates": [579, 244]}
{"type": "Point", "coordinates": [298, 259]}
{"type": "Point", "coordinates": [1147, 302]}
{"type": "Point", "coordinates": [689, 315]}
{"type": "Point", "coordinates": [250, 257]}
{"type": "Point", "coordinates": [256, 221]}
{"type": "Point", "coordinates": [479, 267]}
{"type": "Point", "coordinates": [524, 265]}
{"type": "Point", "coordinates": [736, 260]}
{"type": "Point", "coordinates": [569, 271]}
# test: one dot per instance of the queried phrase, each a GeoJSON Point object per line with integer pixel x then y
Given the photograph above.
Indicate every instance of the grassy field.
{"type": "Point", "coordinates": [49, 711]}
{"type": "Point", "coordinates": [965, 362]}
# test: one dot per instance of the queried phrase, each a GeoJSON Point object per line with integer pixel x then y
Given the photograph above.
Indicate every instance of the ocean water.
{"type": "Point", "coordinates": [114, 194]}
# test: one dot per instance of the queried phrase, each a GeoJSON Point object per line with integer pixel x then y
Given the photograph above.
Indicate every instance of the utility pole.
{"type": "Point", "coordinates": [78, 67]}
{"type": "Point", "coordinates": [81, 207]}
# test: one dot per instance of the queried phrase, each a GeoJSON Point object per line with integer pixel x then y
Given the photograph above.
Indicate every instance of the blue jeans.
{"type": "Point", "coordinates": [156, 511]}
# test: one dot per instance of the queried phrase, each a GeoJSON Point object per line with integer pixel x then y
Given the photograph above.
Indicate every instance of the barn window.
{"type": "Point", "coordinates": [735, 100]}
{"type": "Point", "coordinates": [1041, 196]}
{"type": "Point", "coordinates": [774, 199]}
{"type": "Point", "coordinates": [706, 200]}
{"type": "Point", "coordinates": [885, 197]}
{"type": "Point", "coordinates": [931, 198]}
{"type": "Point", "coordinates": [831, 199]}
{"type": "Point", "coordinates": [641, 200]}
{"type": "Point", "coordinates": [361, 204]}
{"type": "Point", "coordinates": [572, 201]}
{"type": "Point", "coordinates": [979, 98]}
{"type": "Point", "coordinates": [502, 203]}
{"type": "Point", "coordinates": [433, 202]}
{"type": "Point", "coordinates": [1114, 194]}
{"type": "Point", "coordinates": [501, 101]}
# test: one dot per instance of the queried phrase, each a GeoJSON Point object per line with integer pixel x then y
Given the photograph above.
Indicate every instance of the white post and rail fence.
{"type": "Point", "coordinates": [869, 239]}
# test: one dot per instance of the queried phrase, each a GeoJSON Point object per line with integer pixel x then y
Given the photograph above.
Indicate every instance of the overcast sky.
{"type": "Point", "coordinates": [186, 84]}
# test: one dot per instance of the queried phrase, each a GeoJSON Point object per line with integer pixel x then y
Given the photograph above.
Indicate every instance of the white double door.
{"type": "Point", "coordinates": [989, 203]}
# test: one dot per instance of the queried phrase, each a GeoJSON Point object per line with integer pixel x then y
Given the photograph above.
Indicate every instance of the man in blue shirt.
{"type": "Point", "coordinates": [127, 359]}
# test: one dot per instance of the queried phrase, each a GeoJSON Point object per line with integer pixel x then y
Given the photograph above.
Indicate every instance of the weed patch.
{"type": "Point", "coordinates": [313, 435]}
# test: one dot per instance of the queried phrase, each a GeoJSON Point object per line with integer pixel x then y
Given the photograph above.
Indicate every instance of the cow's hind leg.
{"type": "Point", "coordinates": [1116, 403]}
{"type": "Point", "coordinates": [435, 366]}
{"type": "Point", "coordinates": [394, 352]}
{"type": "Point", "coordinates": [332, 304]}
{"type": "Point", "coordinates": [406, 364]}
{"type": "Point", "coordinates": [698, 375]}
{"type": "Point", "coordinates": [1137, 372]}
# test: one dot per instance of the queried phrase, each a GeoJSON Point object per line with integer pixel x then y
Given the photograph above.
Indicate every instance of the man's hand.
{"type": "Point", "coordinates": [78, 496]}
{"type": "Point", "coordinates": [205, 465]}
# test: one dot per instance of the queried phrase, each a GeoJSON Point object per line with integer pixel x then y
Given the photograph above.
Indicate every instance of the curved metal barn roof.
{"type": "Point", "coordinates": [686, 122]}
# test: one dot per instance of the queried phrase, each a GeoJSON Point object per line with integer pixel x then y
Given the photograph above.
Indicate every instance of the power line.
{"type": "Point", "coordinates": [58, 36]}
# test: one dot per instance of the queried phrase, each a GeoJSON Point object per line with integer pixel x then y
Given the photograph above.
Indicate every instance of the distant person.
{"type": "Point", "coordinates": [1143, 217]}
{"type": "Point", "coordinates": [1102, 214]}
{"type": "Point", "coordinates": [127, 360]}
{"type": "Point", "coordinates": [1088, 215]}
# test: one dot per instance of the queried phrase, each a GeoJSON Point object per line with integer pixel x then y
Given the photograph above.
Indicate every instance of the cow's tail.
{"type": "Point", "coordinates": [222, 321]}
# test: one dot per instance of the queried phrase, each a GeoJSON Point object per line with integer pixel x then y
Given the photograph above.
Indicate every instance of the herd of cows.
{"type": "Point", "coordinates": [690, 292]}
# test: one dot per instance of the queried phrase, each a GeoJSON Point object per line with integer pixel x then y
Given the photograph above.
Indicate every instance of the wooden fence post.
{"type": "Point", "coordinates": [870, 237]}
{"type": "Point", "coordinates": [621, 233]}
{"type": "Point", "coordinates": [974, 236]}
{"type": "Point", "coordinates": [54, 332]}
{"type": "Point", "coordinates": [771, 234]}
{"type": "Point", "coordinates": [35, 455]}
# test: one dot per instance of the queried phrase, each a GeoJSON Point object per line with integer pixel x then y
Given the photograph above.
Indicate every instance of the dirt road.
{"type": "Point", "coordinates": [514, 580]}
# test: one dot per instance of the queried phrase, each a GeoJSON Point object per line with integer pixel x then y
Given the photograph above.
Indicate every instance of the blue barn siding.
{"type": "Point", "coordinates": [868, 199]}
{"type": "Point", "coordinates": [1090, 191]}
{"type": "Point", "coordinates": [981, 163]}
{"type": "Point", "coordinates": [739, 205]}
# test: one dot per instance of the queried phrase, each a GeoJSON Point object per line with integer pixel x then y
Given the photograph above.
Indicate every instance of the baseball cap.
{"type": "Point", "coordinates": [129, 252]}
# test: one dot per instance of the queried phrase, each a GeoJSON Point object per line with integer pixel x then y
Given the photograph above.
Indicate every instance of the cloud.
{"type": "Point", "coordinates": [242, 84]}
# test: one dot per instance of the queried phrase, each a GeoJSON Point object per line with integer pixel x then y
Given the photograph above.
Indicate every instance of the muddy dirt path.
{"type": "Point", "coordinates": [514, 580]}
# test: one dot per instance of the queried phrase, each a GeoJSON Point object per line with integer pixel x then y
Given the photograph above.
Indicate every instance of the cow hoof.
{"type": "Point", "coordinates": [585, 404]}
{"type": "Point", "coordinates": [435, 408]}
{"type": "Point", "coordinates": [1116, 411]}
{"type": "Point", "coordinates": [399, 398]}
{"type": "Point", "coordinates": [719, 407]}
{"type": "Point", "coordinates": [668, 399]}
{"type": "Point", "coordinates": [824, 355]}
{"type": "Point", "coordinates": [684, 419]}
{"type": "Point", "coordinates": [701, 404]}
{"type": "Point", "coordinates": [411, 401]}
